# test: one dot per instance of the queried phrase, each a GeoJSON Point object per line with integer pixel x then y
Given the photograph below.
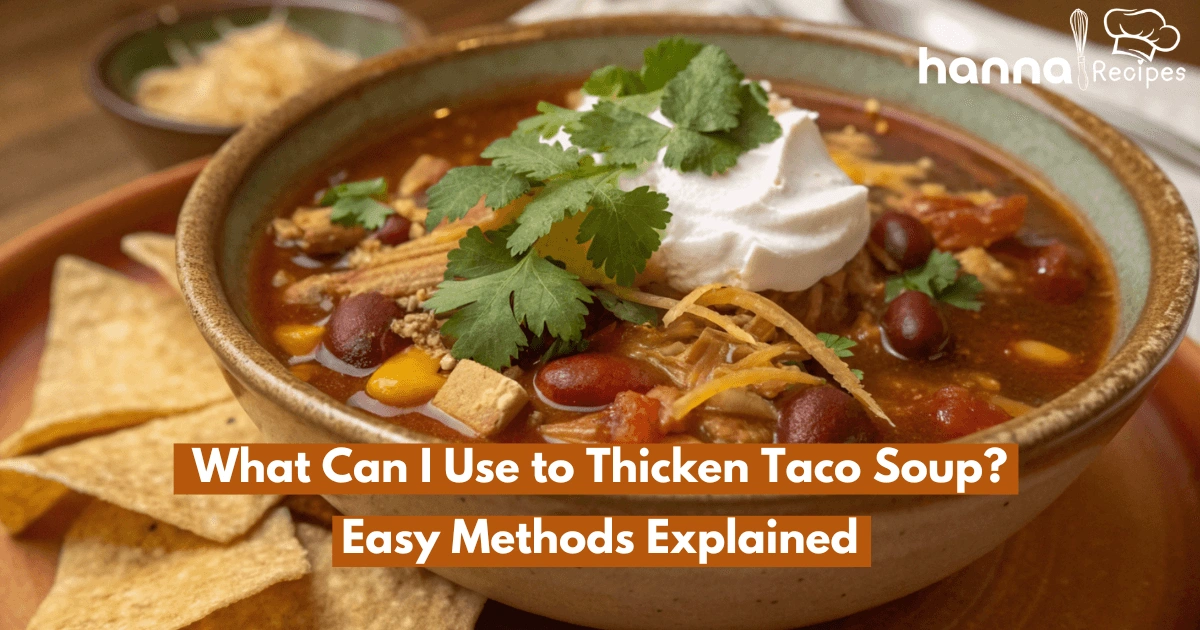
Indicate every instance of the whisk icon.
{"type": "Point", "coordinates": [1079, 25]}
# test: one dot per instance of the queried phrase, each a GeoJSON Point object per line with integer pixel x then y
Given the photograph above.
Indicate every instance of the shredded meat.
{"type": "Point", "coordinates": [723, 429]}
{"type": "Point", "coordinates": [837, 297]}
{"type": "Point", "coordinates": [424, 172]}
{"type": "Point", "coordinates": [394, 280]}
{"type": "Point", "coordinates": [991, 272]}
{"type": "Point", "coordinates": [311, 230]}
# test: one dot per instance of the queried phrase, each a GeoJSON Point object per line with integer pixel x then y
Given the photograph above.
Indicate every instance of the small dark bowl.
{"type": "Point", "coordinates": [135, 45]}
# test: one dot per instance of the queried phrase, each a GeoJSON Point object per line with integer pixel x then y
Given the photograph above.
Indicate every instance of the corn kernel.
{"type": "Point", "coordinates": [408, 379]}
{"type": "Point", "coordinates": [1042, 352]}
{"type": "Point", "coordinates": [305, 371]}
{"type": "Point", "coordinates": [298, 339]}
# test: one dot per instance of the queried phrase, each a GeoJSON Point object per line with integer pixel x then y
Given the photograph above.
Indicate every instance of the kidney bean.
{"type": "Point", "coordinates": [956, 223]}
{"type": "Point", "coordinates": [823, 415]}
{"type": "Point", "coordinates": [394, 231]}
{"type": "Point", "coordinates": [904, 238]}
{"type": "Point", "coordinates": [359, 331]}
{"type": "Point", "coordinates": [1060, 274]}
{"type": "Point", "coordinates": [913, 327]}
{"type": "Point", "coordinates": [593, 379]}
{"type": "Point", "coordinates": [958, 412]}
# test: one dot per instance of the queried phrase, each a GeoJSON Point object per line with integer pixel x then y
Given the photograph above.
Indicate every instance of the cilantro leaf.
{"type": "Point", "coordinates": [704, 96]}
{"type": "Point", "coordinates": [375, 188]}
{"type": "Point", "coordinates": [963, 293]}
{"type": "Point", "coordinates": [550, 120]}
{"type": "Point", "coordinates": [666, 59]}
{"type": "Point", "coordinates": [358, 203]}
{"type": "Point", "coordinates": [524, 154]}
{"type": "Point", "coordinates": [624, 230]}
{"type": "Point", "coordinates": [631, 312]}
{"type": "Point", "coordinates": [624, 136]}
{"type": "Point", "coordinates": [613, 81]}
{"type": "Point", "coordinates": [858, 374]}
{"type": "Point", "coordinates": [550, 299]}
{"type": "Point", "coordinates": [490, 309]}
{"type": "Point", "coordinates": [461, 188]}
{"type": "Point", "coordinates": [478, 256]}
{"type": "Point", "coordinates": [562, 347]}
{"type": "Point", "coordinates": [689, 150]}
{"type": "Point", "coordinates": [640, 103]}
{"type": "Point", "coordinates": [559, 199]}
{"type": "Point", "coordinates": [939, 279]}
{"type": "Point", "coordinates": [756, 125]}
{"type": "Point", "coordinates": [364, 211]}
{"type": "Point", "coordinates": [840, 345]}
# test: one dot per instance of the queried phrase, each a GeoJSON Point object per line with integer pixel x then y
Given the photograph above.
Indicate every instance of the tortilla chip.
{"type": "Point", "coordinates": [133, 469]}
{"type": "Point", "coordinates": [118, 353]}
{"type": "Point", "coordinates": [359, 598]}
{"type": "Point", "coordinates": [119, 569]}
{"type": "Point", "coordinates": [312, 508]}
{"type": "Point", "coordinates": [154, 250]}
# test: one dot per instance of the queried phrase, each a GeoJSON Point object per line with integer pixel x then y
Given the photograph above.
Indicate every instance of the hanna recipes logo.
{"type": "Point", "coordinates": [1137, 34]}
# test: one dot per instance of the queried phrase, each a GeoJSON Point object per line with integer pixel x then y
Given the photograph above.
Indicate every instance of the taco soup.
{"type": "Point", "coordinates": [682, 254]}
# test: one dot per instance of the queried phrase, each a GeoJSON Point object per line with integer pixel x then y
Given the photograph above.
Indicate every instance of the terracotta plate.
{"type": "Point", "coordinates": [1118, 550]}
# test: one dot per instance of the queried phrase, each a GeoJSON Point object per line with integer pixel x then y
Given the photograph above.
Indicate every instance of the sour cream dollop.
{"type": "Point", "coordinates": [783, 218]}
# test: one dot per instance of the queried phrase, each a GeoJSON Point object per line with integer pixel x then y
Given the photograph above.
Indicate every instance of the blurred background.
{"type": "Point", "coordinates": [58, 147]}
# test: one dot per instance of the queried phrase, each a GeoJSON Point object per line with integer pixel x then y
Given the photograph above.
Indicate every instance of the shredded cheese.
{"type": "Point", "coordinates": [658, 301]}
{"type": "Point", "coordinates": [775, 314]}
{"type": "Point", "coordinates": [249, 72]}
{"type": "Point", "coordinates": [682, 306]}
{"type": "Point", "coordinates": [762, 356]}
{"type": "Point", "coordinates": [742, 378]}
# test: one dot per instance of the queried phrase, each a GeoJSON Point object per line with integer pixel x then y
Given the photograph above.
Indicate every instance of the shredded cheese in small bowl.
{"type": "Point", "coordinates": [245, 74]}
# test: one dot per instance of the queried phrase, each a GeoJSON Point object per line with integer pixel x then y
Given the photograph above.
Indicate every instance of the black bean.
{"type": "Point", "coordinates": [913, 327]}
{"type": "Point", "coordinates": [904, 238]}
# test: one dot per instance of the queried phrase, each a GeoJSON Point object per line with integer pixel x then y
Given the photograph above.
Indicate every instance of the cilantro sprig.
{"type": "Point", "coordinates": [495, 294]}
{"type": "Point", "coordinates": [716, 115]}
{"type": "Point", "coordinates": [359, 203]}
{"type": "Point", "coordinates": [940, 279]}
{"type": "Point", "coordinates": [841, 347]}
{"type": "Point", "coordinates": [499, 290]}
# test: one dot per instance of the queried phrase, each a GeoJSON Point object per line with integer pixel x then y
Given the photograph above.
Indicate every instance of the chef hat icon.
{"type": "Point", "coordinates": [1140, 34]}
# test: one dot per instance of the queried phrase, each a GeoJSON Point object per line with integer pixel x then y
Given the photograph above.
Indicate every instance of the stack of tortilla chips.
{"type": "Point", "coordinates": [125, 375]}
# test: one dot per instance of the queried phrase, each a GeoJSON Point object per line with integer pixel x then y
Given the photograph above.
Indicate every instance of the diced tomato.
{"type": "Point", "coordinates": [1059, 274]}
{"type": "Point", "coordinates": [958, 412]}
{"type": "Point", "coordinates": [957, 223]}
{"type": "Point", "coordinates": [633, 419]}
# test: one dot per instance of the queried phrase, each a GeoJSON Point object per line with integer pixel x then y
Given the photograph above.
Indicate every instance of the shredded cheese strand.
{"type": "Point", "coordinates": [658, 301]}
{"type": "Point", "coordinates": [761, 357]}
{"type": "Point", "coordinates": [775, 314]}
{"type": "Point", "coordinates": [688, 300]}
{"type": "Point", "coordinates": [696, 397]}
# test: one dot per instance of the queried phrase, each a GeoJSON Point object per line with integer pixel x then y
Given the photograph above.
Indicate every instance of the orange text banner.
{"type": "Point", "coordinates": [596, 469]}
{"type": "Point", "coordinates": [602, 541]}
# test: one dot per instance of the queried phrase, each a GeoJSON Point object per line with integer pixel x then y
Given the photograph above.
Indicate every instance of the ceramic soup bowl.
{"type": "Point", "coordinates": [1130, 204]}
